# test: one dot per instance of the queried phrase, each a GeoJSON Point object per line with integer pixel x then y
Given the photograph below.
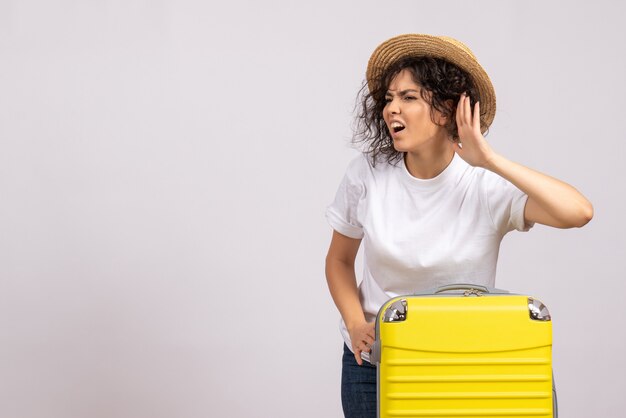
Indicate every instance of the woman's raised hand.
{"type": "Point", "coordinates": [473, 147]}
{"type": "Point", "coordinates": [362, 337]}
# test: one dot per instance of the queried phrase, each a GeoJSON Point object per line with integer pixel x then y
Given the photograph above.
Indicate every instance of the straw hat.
{"type": "Point", "coordinates": [417, 45]}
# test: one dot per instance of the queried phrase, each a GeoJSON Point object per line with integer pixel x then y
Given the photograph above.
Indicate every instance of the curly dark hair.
{"type": "Point", "coordinates": [444, 80]}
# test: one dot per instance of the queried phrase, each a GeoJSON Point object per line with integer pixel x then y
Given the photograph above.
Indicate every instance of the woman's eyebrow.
{"type": "Point", "coordinates": [402, 93]}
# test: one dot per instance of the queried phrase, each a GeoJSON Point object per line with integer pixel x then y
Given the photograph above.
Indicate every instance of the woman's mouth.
{"type": "Point", "coordinates": [396, 127]}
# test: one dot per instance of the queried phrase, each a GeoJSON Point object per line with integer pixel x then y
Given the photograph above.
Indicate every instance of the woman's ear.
{"type": "Point", "coordinates": [443, 119]}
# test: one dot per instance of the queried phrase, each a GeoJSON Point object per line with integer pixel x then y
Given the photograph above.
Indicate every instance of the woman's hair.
{"type": "Point", "coordinates": [444, 80]}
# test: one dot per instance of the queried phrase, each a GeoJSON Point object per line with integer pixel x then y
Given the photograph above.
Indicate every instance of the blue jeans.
{"type": "Point", "coordinates": [358, 387]}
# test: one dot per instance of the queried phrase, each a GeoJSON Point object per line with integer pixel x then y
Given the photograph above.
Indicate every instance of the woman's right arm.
{"type": "Point", "coordinates": [342, 284]}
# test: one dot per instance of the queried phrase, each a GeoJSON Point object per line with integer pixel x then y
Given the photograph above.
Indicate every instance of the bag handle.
{"type": "Point", "coordinates": [462, 286]}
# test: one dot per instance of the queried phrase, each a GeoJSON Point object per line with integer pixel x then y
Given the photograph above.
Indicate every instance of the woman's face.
{"type": "Point", "coordinates": [405, 107]}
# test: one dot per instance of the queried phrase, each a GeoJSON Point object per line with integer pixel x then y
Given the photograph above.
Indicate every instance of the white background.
{"type": "Point", "coordinates": [164, 171]}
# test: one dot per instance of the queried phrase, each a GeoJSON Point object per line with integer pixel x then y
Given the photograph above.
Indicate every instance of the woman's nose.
{"type": "Point", "coordinates": [393, 106]}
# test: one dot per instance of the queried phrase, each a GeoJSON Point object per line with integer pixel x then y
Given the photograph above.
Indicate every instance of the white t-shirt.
{"type": "Point", "coordinates": [419, 234]}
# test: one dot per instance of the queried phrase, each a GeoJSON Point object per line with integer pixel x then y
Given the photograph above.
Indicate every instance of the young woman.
{"type": "Point", "coordinates": [429, 199]}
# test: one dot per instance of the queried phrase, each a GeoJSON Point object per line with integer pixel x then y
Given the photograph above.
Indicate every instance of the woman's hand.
{"type": "Point", "coordinates": [474, 148]}
{"type": "Point", "coordinates": [362, 337]}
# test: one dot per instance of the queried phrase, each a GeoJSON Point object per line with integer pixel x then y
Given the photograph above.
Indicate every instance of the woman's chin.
{"type": "Point", "coordinates": [397, 145]}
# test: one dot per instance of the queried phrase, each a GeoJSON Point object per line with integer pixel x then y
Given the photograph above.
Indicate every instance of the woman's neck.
{"type": "Point", "coordinates": [429, 163]}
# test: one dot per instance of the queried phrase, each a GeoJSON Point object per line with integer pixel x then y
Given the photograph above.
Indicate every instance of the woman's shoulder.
{"type": "Point", "coordinates": [365, 166]}
{"type": "Point", "coordinates": [488, 179]}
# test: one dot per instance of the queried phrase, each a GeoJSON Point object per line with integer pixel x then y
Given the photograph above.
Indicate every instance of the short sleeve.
{"type": "Point", "coordinates": [343, 214]}
{"type": "Point", "coordinates": [505, 203]}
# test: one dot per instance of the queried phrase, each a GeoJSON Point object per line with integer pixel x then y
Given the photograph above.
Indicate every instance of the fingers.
{"type": "Point", "coordinates": [464, 115]}
{"type": "Point", "coordinates": [476, 123]}
{"type": "Point", "coordinates": [363, 338]}
{"type": "Point", "coordinates": [370, 335]}
{"type": "Point", "coordinates": [364, 345]}
{"type": "Point", "coordinates": [361, 348]}
{"type": "Point", "coordinates": [460, 111]}
{"type": "Point", "coordinates": [357, 354]}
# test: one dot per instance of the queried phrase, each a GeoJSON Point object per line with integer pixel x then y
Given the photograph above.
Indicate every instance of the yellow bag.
{"type": "Point", "coordinates": [475, 352]}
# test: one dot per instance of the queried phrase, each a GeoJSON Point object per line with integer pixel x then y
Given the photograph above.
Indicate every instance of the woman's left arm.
{"type": "Point", "coordinates": [550, 202]}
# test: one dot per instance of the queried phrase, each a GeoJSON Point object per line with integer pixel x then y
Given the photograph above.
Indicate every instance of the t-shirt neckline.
{"type": "Point", "coordinates": [452, 168]}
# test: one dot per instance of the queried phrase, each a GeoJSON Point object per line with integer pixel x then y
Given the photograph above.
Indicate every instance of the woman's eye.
{"type": "Point", "coordinates": [409, 97]}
